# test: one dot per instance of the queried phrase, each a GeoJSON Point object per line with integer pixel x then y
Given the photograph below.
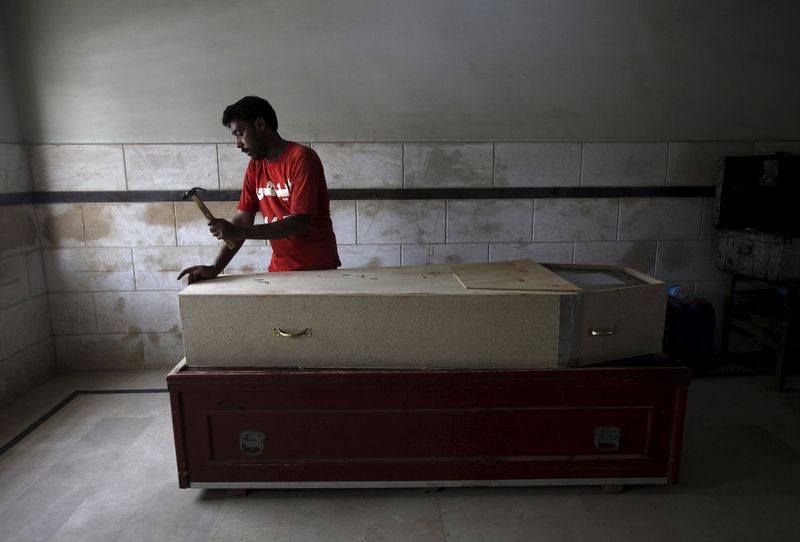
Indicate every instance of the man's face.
{"type": "Point", "coordinates": [250, 137]}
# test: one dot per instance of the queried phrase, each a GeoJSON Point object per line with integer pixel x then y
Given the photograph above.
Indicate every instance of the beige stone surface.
{"type": "Point", "coordinates": [18, 232]}
{"type": "Point", "coordinates": [370, 255]}
{"type": "Point", "coordinates": [537, 164]}
{"type": "Point", "coordinates": [72, 313]}
{"type": "Point", "coordinates": [639, 255]}
{"type": "Point", "coordinates": [157, 268]}
{"type": "Point", "coordinates": [36, 278]}
{"type": "Point", "coordinates": [192, 225]}
{"type": "Point", "coordinates": [343, 217]}
{"type": "Point", "coordinates": [652, 219]}
{"type": "Point", "coordinates": [23, 325]}
{"type": "Point", "coordinates": [171, 167]}
{"type": "Point", "coordinates": [470, 221]}
{"type": "Point", "coordinates": [162, 350]}
{"type": "Point", "coordinates": [699, 163]}
{"type": "Point", "coordinates": [401, 221]}
{"type": "Point", "coordinates": [15, 173]}
{"type": "Point", "coordinates": [448, 165]}
{"type": "Point", "coordinates": [540, 252]}
{"type": "Point", "coordinates": [25, 369]}
{"type": "Point", "coordinates": [61, 225]}
{"type": "Point", "coordinates": [88, 269]}
{"type": "Point", "coordinates": [77, 167]}
{"type": "Point", "coordinates": [232, 165]}
{"type": "Point", "coordinates": [129, 224]}
{"type": "Point", "coordinates": [693, 260]}
{"type": "Point", "coordinates": [444, 253]}
{"type": "Point", "coordinates": [584, 219]}
{"type": "Point", "coordinates": [136, 312]}
{"type": "Point", "coordinates": [624, 164]}
{"type": "Point", "coordinates": [93, 352]}
{"type": "Point", "coordinates": [14, 285]}
{"type": "Point", "coordinates": [362, 165]}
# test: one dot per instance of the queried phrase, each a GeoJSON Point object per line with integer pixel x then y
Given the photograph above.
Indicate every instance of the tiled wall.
{"type": "Point", "coordinates": [111, 268]}
{"type": "Point", "coordinates": [26, 343]}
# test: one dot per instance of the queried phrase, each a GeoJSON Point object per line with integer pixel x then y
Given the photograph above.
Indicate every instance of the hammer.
{"type": "Point", "coordinates": [192, 193]}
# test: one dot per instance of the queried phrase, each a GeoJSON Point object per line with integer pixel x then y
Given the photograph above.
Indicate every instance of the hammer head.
{"type": "Point", "coordinates": [191, 192]}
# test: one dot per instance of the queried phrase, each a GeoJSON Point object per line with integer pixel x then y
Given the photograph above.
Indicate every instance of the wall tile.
{"type": "Point", "coordinates": [659, 218]}
{"type": "Point", "coordinates": [356, 256]}
{"type": "Point", "coordinates": [36, 278]}
{"type": "Point", "coordinates": [15, 170]}
{"type": "Point", "coordinates": [362, 165]}
{"type": "Point", "coordinates": [251, 259]}
{"type": "Point", "coordinates": [192, 226]}
{"type": "Point", "coordinates": [624, 164]}
{"type": "Point", "coordinates": [448, 165]}
{"type": "Point", "coordinates": [18, 232]}
{"type": "Point", "coordinates": [99, 352]}
{"type": "Point", "coordinates": [575, 219]}
{"type": "Point", "coordinates": [400, 221]}
{"type": "Point", "coordinates": [471, 221]}
{"type": "Point", "coordinates": [688, 260]}
{"type": "Point", "coordinates": [77, 167]}
{"type": "Point", "coordinates": [135, 312]}
{"type": "Point", "coordinates": [88, 269]}
{"type": "Point", "coordinates": [639, 255]}
{"type": "Point", "coordinates": [232, 165]}
{"type": "Point", "coordinates": [162, 350]}
{"type": "Point", "coordinates": [72, 313]}
{"type": "Point", "coordinates": [698, 164]}
{"type": "Point", "coordinates": [23, 325]}
{"type": "Point", "coordinates": [129, 224]}
{"type": "Point", "coordinates": [707, 229]}
{"type": "Point", "coordinates": [537, 164]}
{"type": "Point", "coordinates": [14, 285]}
{"type": "Point", "coordinates": [26, 369]}
{"type": "Point", "coordinates": [171, 167]}
{"type": "Point", "coordinates": [451, 253]}
{"type": "Point", "coordinates": [157, 268]}
{"type": "Point", "coordinates": [538, 252]}
{"type": "Point", "coordinates": [771, 147]}
{"type": "Point", "coordinates": [343, 216]}
{"type": "Point", "coordinates": [61, 225]}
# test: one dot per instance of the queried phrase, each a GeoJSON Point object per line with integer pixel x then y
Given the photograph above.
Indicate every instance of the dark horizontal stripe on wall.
{"type": "Point", "coordinates": [148, 196]}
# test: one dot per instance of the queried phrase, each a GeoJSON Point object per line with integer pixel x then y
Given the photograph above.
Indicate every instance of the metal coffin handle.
{"type": "Point", "coordinates": [252, 442]}
{"type": "Point", "coordinates": [603, 332]}
{"type": "Point", "coordinates": [278, 332]}
{"type": "Point", "coordinates": [607, 437]}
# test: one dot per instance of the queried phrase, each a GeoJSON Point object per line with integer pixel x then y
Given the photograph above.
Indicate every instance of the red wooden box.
{"type": "Point", "coordinates": [255, 428]}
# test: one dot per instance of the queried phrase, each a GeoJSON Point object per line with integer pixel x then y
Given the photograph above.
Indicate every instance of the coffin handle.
{"type": "Point", "coordinates": [603, 332]}
{"type": "Point", "coordinates": [278, 332]}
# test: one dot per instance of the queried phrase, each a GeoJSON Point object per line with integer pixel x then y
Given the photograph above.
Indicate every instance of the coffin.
{"type": "Point", "coordinates": [516, 314]}
{"type": "Point", "coordinates": [273, 428]}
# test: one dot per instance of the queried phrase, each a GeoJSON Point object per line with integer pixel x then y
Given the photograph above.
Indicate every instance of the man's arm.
{"type": "Point", "coordinates": [290, 226]}
{"type": "Point", "coordinates": [196, 273]}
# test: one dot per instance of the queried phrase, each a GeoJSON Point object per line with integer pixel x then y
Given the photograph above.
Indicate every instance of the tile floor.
{"type": "Point", "coordinates": [102, 468]}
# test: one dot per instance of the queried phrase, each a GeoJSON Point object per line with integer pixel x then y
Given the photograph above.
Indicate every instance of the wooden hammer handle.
{"type": "Point", "coordinates": [209, 215]}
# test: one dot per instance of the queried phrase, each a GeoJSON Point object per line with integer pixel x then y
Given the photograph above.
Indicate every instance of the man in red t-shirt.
{"type": "Point", "coordinates": [286, 183]}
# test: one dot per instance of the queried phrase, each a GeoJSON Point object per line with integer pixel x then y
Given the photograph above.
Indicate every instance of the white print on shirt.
{"type": "Point", "coordinates": [274, 219]}
{"type": "Point", "coordinates": [270, 190]}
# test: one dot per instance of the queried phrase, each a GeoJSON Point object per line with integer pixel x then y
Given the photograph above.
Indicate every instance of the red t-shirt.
{"type": "Point", "coordinates": [293, 185]}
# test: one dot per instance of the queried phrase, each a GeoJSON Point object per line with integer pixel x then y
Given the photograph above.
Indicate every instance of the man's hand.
{"type": "Point", "coordinates": [196, 273]}
{"type": "Point", "coordinates": [224, 230]}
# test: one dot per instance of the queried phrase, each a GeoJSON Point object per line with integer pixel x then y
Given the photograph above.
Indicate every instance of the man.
{"type": "Point", "coordinates": [285, 181]}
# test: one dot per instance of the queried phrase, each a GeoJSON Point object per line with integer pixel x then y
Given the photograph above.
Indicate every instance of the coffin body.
{"type": "Point", "coordinates": [497, 315]}
{"type": "Point", "coordinates": [250, 428]}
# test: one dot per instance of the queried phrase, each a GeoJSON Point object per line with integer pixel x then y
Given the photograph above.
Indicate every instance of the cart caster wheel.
{"type": "Point", "coordinates": [612, 489]}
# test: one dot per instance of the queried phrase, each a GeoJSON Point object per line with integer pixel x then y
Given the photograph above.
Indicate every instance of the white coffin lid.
{"type": "Point", "coordinates": [512, 277]}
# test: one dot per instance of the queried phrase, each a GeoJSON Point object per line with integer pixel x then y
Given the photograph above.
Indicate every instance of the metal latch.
{"type": "Point", "coordinates": [252, 442]}
{"type": "Point", "coordinates": [606, 438]}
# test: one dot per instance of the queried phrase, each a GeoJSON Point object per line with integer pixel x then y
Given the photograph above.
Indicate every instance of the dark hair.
{"type": "Point", "coordinates": [249, 109]}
